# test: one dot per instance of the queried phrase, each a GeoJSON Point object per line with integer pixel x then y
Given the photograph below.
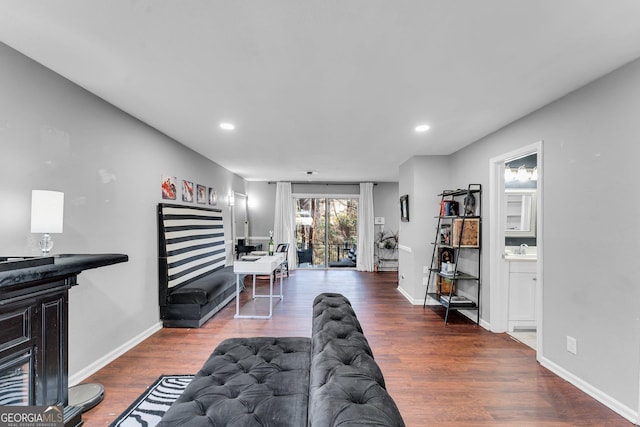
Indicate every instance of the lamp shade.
{"type": "Point", "coordinates": [47, 208]}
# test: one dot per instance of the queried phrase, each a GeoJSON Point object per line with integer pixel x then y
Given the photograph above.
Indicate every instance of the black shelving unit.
{"type": "Point", "coordinates": [458, 233]}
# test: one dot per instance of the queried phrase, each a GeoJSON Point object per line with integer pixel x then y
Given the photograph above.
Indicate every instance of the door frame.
{"type": "Point", "coordinates": [498, 276]}
{"type": "Point", "coordinates": [240, 204]}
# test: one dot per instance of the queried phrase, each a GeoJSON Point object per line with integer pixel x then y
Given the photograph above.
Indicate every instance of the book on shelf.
{"type": "Point", "coordinates": [456, 300]}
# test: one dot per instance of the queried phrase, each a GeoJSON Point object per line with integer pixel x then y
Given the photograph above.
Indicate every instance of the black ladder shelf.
{"type": "Point", "coordinates": [467, 226]}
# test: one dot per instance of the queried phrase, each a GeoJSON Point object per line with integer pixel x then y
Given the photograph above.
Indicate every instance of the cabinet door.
{"type": "Point", "coordinates": [522, 298]}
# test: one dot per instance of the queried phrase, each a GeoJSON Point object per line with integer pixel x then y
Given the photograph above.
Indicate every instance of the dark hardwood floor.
{"type": "Point", "coordinates": [454, 375]}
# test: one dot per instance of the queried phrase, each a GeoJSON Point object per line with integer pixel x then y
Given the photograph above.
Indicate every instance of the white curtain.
{"type": "Point", "coordinates": [284, 227]}
{"type": "Point", "coordinates": [365, 228]}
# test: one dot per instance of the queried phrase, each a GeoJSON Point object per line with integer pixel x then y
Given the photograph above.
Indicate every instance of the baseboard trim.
{"type": "Point", "coordinates": [406, 295]}
{"type": "Point", "coordinates": [77, 377]}
{"type": "Point", "coordinates": [469, 314]}
{"type": "Point", "coordinates": [597, 394]}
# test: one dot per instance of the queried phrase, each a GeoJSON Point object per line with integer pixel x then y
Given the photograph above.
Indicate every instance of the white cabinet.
{"type": "Point", "coordinates": [522, 295]}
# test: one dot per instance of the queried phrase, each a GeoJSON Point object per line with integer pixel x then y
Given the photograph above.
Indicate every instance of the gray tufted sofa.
{"type": "Point", "coordinates": [328, 380]}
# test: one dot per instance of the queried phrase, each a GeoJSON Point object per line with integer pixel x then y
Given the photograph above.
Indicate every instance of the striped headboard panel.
{"type": "Point", "coordinates": [190, 244]}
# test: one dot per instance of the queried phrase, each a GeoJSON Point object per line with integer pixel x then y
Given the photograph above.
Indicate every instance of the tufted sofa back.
{"type": "Point", "coordinates": [346, 385]}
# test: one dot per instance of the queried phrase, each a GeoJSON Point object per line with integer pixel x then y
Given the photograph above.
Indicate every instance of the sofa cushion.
{"type": "Point", "coordinates": [248, 382]}
{"type": "Point", "coordinates": [346, 385]}
{"type": "Point", "coordinates": [204, 289]}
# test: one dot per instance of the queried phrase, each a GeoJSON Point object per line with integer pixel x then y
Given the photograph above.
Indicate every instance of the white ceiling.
{"type": "Point", "coordinates": [333, 86]}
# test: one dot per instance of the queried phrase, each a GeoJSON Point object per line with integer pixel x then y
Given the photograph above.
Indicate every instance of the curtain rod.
{"type": "Point", "coordinates": [320, 182]}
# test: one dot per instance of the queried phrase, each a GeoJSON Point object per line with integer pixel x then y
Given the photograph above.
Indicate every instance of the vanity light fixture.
{"type": "Point", "coordinates": [523, 175]}
{"type": "Point", "coordinates": [422, 128]}
{"type": "Point", "coordinates": [508, 174]}
{"type": "Point", "coordinates": [227, 126]}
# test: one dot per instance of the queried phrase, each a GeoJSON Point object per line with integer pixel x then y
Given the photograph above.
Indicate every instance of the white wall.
{"type": "Point", "coordinates": [591, 233]}
{"type": "Point", "coordinates": [422, 178]}
{"type": "Point", "coordinates": [54, 135]}
{"type": "Point", "coordinates": [386, 203]}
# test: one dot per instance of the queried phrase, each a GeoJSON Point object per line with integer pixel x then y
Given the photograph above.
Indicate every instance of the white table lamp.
{"type": "Point", "coordinates": [47, 208]}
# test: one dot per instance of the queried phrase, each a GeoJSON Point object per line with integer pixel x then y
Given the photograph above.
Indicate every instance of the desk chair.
{"type": "Point", "coordinates": [283, 247]}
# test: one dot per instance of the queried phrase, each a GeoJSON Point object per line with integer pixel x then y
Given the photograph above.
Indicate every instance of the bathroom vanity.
{"type": "Point", "coordinates": [522, 291]}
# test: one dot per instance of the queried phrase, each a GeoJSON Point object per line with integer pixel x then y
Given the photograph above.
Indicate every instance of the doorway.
{"type": "Point", "coordinates": [326, 231]}
{"type": "Point", "coordinates": [506, 247]}
{"type": "Point", "coordinates": [239, 217]}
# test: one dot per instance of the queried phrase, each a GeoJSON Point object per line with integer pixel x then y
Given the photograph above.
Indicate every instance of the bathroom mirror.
{"type": "Point", "coordinates": [521, 213]}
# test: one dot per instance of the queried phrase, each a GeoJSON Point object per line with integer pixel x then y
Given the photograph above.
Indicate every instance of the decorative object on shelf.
{"type": "Point", "coordinates": [466, 232]}
{"type": "Point", "coordinates": [445, 255]}
{"type": "Point", "coordinates": [448, 208]}
{"type": "Point", "coordinates": [404, 208]}
{"type": "Point", "coordinates": [456, 300]}
{"type": "Point", "coordinates": [47, 214]}
{"type": "Point", "coordinates": [448, 268]}
{"type": "Point", "coordinates": [445, 234]}
{"type": "Point", "coordinates": [445, 286]}
{"type": "Point", "coordinates": [469, 204]}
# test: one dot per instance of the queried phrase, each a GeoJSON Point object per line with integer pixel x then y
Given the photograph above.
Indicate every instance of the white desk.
{"type": "Point", "coordinates": [263, 265]}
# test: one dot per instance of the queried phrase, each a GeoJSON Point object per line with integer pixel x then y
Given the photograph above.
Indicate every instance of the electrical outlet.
{"type": "Point", "coordinates": [572, 345]}
{"type": "Point", "coordinates": [425, 269]}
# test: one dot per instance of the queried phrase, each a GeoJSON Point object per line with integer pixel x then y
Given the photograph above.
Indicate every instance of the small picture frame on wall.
{"type": "Point", "coordinates": [187, 191]}
{"type": "Point", "coordinates": [169, 187]}
{"type": "Point", "coordinates": [404, 208]}
{"type": "Point", "coordinates": [201, 194]}
{"type": "Point", "coordinates": [213, 196]}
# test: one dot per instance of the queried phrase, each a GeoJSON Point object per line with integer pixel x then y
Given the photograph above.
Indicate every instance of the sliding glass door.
{"type": "Point", "coordinates": [326, 231]}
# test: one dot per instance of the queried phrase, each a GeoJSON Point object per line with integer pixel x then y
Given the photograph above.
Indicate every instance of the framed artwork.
{"type": "Point", "coordinates": [201, 194]}
{"type": "Point", "coordinates": [187, 191]}
{"type": "Point", "coordinates": [213, 196]}
{"type": "Point", "coordinates": [404, 208]}
{"type": "Point", "coordinates": [169, 187]}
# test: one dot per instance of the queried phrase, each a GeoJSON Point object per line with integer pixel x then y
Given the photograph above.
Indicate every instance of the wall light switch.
{"type": "Point", "coordinates": [572, 345]}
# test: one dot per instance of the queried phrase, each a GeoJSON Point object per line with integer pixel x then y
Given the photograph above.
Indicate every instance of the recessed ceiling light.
{"type": "Point", "coordinates": [422, 128]}
{"type": "Point", "coordinates": [227, 126]}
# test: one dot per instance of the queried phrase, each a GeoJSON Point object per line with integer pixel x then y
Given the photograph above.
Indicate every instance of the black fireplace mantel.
{"type": "Point", "coordinates": [34, 299]}
{"type": "Point", "coordinates": [18, 270]}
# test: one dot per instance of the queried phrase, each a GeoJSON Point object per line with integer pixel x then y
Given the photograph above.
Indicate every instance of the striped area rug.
{"type": "Point", "coordinates": [154, 402]}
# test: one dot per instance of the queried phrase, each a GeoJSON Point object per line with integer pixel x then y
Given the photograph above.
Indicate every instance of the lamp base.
{"type": "Point", "coordinates": [46, 244]}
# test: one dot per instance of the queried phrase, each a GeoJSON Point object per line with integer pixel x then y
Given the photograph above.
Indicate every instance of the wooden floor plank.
{"type": "Point", "coordinates": [453, 375]}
